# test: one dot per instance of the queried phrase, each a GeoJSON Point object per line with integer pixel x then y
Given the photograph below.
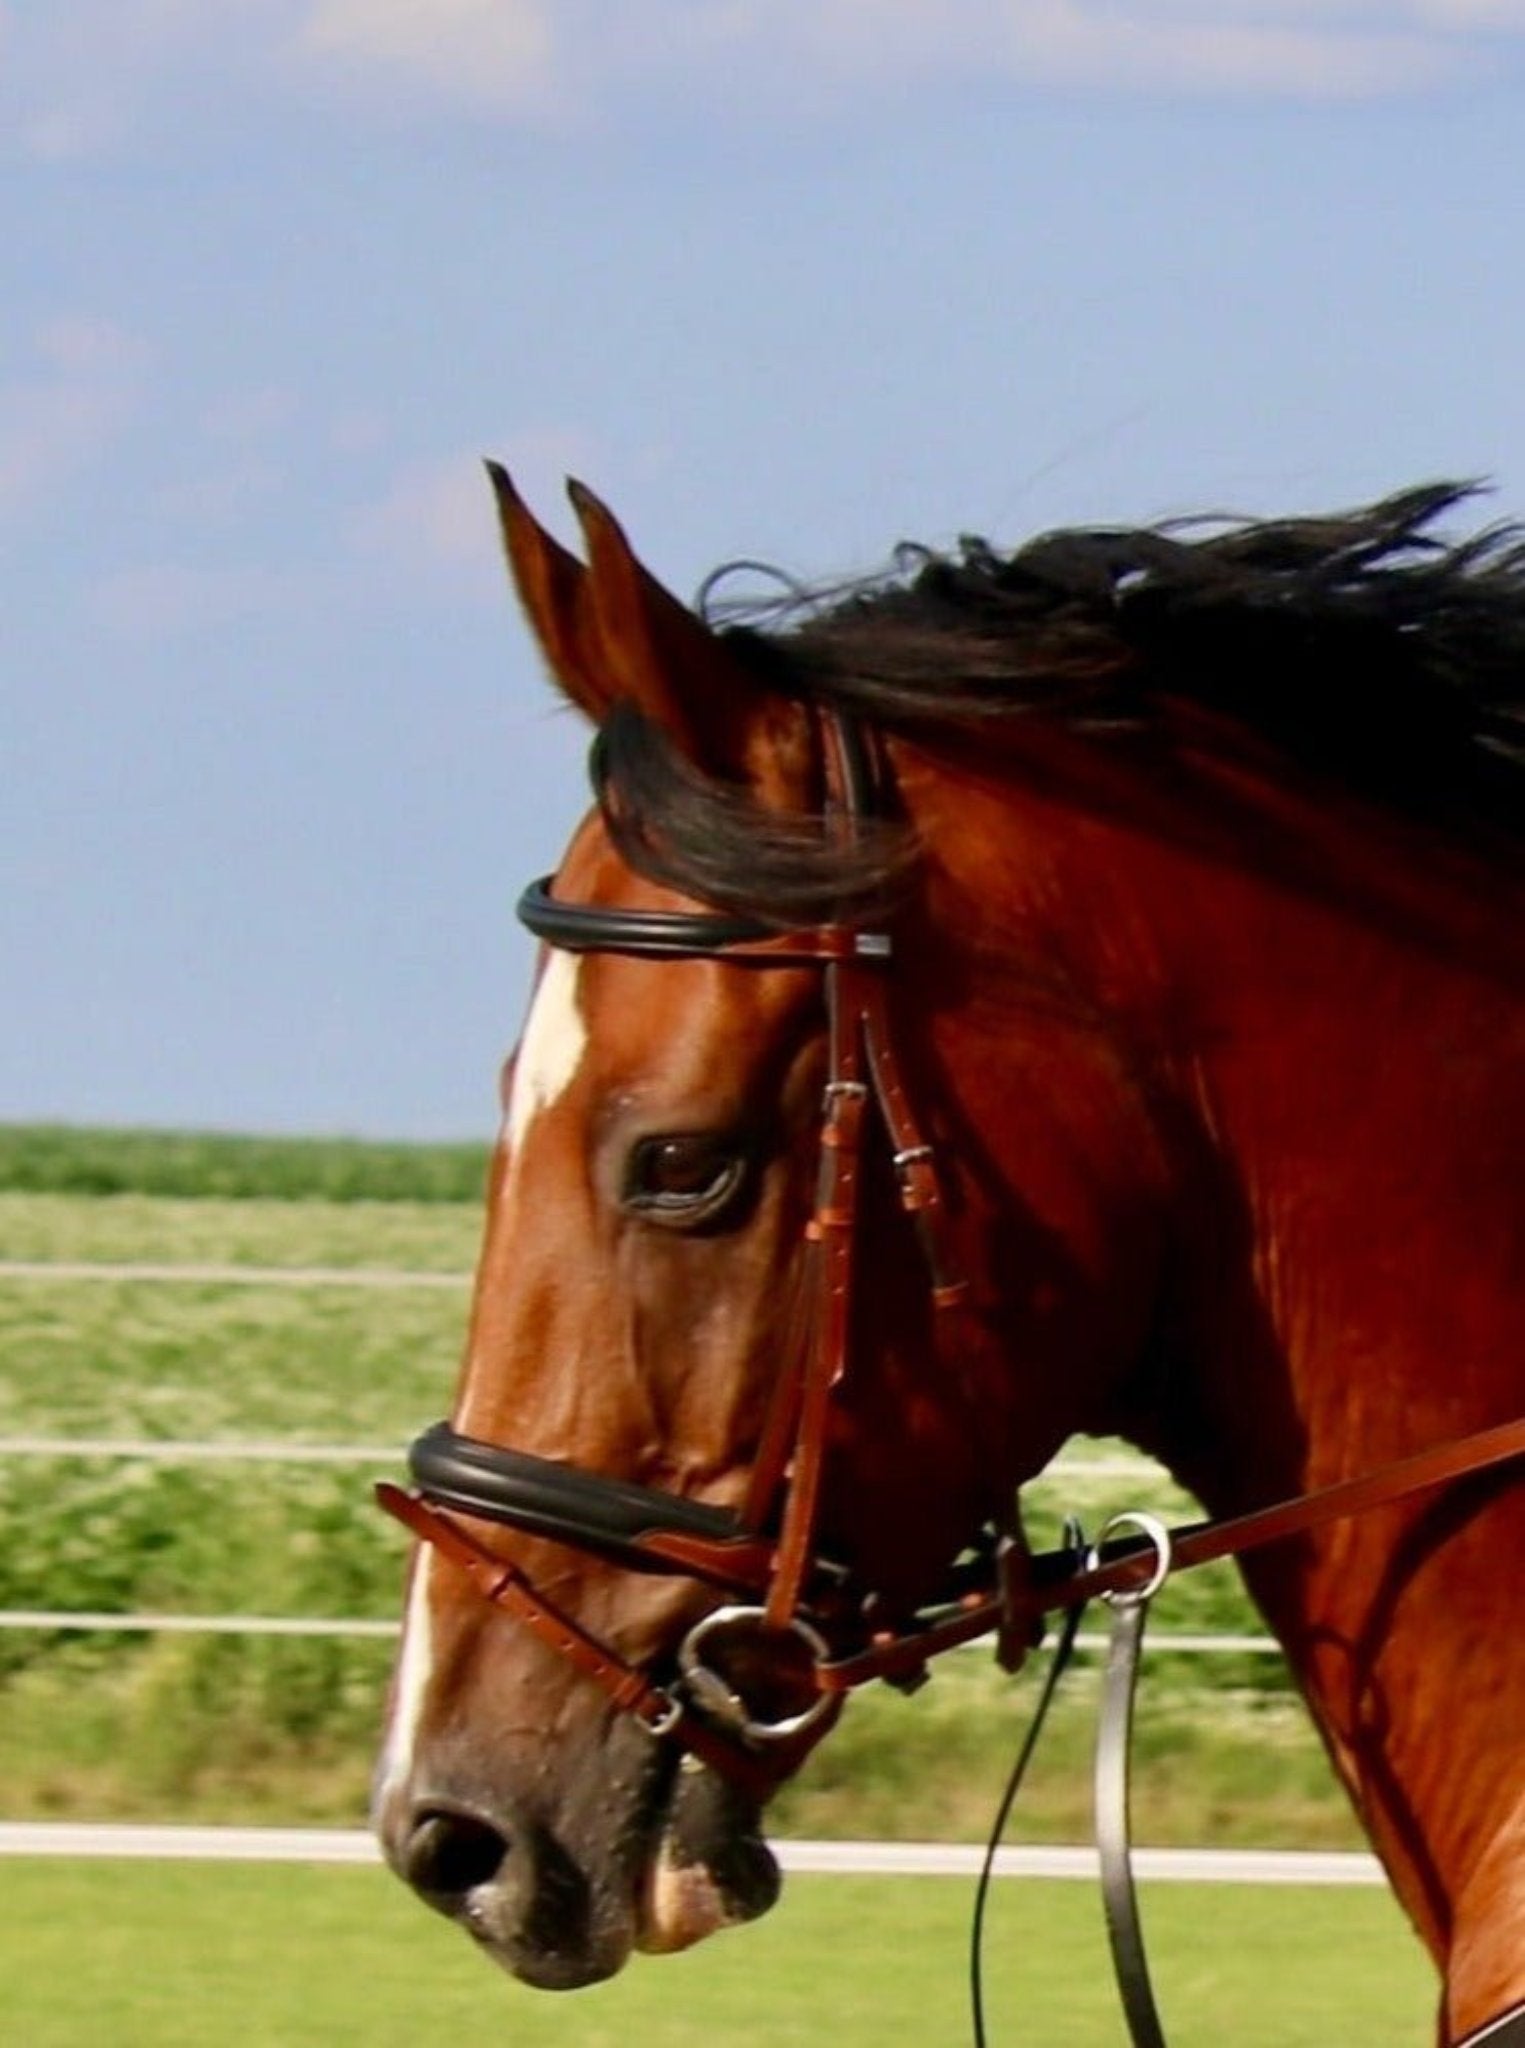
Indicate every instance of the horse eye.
{"type": "Point", "coordinates": [686, 1177]}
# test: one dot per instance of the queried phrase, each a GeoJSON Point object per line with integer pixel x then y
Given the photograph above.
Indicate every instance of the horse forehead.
{"type": "Point", "coordinates": [552, 1045]}
{"type": "Point", "coordinates": [631, 1022]}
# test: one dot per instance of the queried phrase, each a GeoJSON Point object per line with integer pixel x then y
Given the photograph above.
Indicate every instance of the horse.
{"type": "Point", "coordinates": [1075, 990]}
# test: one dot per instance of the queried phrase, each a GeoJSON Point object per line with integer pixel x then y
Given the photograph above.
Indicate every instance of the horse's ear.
{"type": "Point", "coordinates": [661, 656]}
{"type": "Point", "coordinates": [611, 633]}
{"type": "Point", "coordinates": [554, 590]}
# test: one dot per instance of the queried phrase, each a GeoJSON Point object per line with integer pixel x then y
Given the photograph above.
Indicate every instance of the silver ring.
{"type": "Point", "coordinates": [710, 1693]}
{"type": "Point", "coordinates": [671, 1714]}
{"type": "Point", "coordinates": [1159, 1538]}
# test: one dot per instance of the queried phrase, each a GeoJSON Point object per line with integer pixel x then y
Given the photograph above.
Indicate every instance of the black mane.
{"type": "Point", "coordinates": [1363, 647]}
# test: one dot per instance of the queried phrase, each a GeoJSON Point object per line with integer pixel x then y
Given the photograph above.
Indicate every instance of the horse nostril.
{"type": "Point", "coordinates": [510, 1884]}
{"type": "Point", "coordinates": [450, 1853]}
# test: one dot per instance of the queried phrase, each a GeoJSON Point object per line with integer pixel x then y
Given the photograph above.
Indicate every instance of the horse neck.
{"type": "Point", "coordinates": [1324, 1032]}
{"type": "Point", "coordinates": [1362, 1101]}
{"type": "Point", "coordinates": [1347, 1110]}
{"type": "Point", "coordinates": [1337, 1078]}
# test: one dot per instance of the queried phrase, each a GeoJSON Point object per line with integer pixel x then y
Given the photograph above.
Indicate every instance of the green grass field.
{"type": "Point", "coordinates": [75, 1160]}
{"type": "Point", "coordinates": [203, 1727]}
{"type": "Point", "coordinates": [249, 1230]}
{"type": "Point", "coordinates": [196, 1727]}
{"type": "Point", "coordinates": [191, 1956]}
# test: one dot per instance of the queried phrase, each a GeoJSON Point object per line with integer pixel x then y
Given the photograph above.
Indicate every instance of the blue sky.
{"type": "Point", "coordinates": [785, 280]}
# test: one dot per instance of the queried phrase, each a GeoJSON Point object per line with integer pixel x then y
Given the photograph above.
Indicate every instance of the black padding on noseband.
{"type": "Point", "coordinates": [548, 1499]}
{"type": "Point", "coordinates": [651, 934]}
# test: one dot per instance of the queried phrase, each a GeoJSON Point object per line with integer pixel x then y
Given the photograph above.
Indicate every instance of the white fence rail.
{"type": "Point", "coordinates": [870, 1859]}
{"type": "Point", "coordinates": [227, 1273]}
{"type": "Point", "coordinates": [83, 1621]}
{"type": "Point", "coordinates": [177, 1451]}
{"type": "Point", "coordinates": [276, 1451]}
{"type": "Point", "coordinates": [168, 1451]}
{"type": "Point", "coordinates": [165, 1451]}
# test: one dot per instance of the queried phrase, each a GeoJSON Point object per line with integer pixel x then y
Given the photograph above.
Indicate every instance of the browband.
{"type": "Point", "coordinates": [659, 934]}
{"type": "Point", "coordinates": [690, 934]}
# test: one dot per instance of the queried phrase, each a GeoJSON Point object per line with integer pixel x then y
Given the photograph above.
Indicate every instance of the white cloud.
{"type": "Point", "coordinates": [80, 77]}
{"type": "Point", "coordinates": [1234, 49]}
{"type": "Point", "coordinates": [219, 493]}
{"type": "Point", "coordinates": [76, 345]}
{"type": "Point", "coordinates": [160, 600]}
{"type": "Point", "coordinates": [867, 37]}
{"type": "Point", "coordinates": [46, 432]}
{"type": "Point", "coordinates": [437, 516]}
{"type": "Point", "coordinates": [67, 134]}
{"type": "Point", "coordinates": [1304, 48]}
{"type": "Point", "coordinates": [252, 415]}
{"type": "Point", "coordinates": [495, 52]}
{"type": "Point", "coordinates": [434, 512]}
{"type": "Point", "coordinates": [1465, 14]}
{"type": "Point", "coordinates": [63, 417]}
{"type": "Point", "coordinates": [1301, 48]}
{"type": "Point", "coordinates": [361, 431]}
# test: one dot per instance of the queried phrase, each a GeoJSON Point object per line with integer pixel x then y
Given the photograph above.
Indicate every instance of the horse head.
{"type": "Point", "coordinates": [1070, 991]}
{"type": "Point", "coordinates": [687, 1120]}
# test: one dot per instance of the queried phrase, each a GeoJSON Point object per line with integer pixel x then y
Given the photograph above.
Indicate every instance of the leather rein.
{"type": "Point", "coordinates": [786, 1605]}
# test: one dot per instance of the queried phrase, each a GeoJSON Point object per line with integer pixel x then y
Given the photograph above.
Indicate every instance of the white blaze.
{"type": "Point", "coordinates": [415, 1667]}
{"type": "Point", "coordinates": [551, 1048]}
{"type": "Point", "coordinates": [549, 1053]}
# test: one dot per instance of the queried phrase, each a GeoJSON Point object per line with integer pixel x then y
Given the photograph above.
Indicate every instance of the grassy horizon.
{"type": "Point", "coordinates": [192, 1165]}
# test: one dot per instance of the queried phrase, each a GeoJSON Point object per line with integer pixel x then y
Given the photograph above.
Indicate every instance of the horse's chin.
{"type": "Point", "coordinates": [681, 1902]}
{"type": "Point", "coordinates": [709, 1867]}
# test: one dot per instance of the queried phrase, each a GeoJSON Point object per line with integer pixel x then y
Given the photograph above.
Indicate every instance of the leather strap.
{"type": "Point", "coordinates": [689, 934]}
{"type": "Point", "coordinates": [507, 1587]}
{"type": "Point", "coordinates": [915, 1162]}
{"type": "Point", "coordinates": [1114, 1832]}
{"type": "Point", "coordinates": [1059, 1663]}
{"type": "Point", "coordinates": [504, 1586]}
{"type": "Point", "coordinates": [1438, 1466]}
{"type": "Point", "coordinates": [1124, 1567]}
{"type": "Point", "coordinates": [830, 1236]}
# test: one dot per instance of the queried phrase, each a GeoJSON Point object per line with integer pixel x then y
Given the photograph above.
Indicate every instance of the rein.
{"type": "Point", "coordinates": [650, 1531]}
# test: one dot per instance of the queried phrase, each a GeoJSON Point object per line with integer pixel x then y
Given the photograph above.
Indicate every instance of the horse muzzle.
{"type": "Point", "coordinates": [635, 1850]}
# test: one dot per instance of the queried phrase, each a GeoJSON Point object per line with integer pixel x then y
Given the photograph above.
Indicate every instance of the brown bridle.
{"type": "Point", "coordinates": [807, 1613]}
{"type": "Point", "coordinates": [765, 1555]}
